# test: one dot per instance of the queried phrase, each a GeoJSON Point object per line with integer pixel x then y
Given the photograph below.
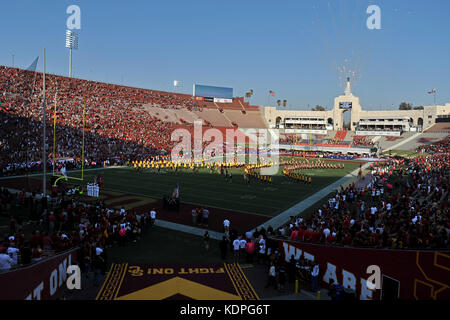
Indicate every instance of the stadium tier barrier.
{"type": "Point", "coordinates": [411, 274]}
{"type": "Point", "coordinates": [43, 280]}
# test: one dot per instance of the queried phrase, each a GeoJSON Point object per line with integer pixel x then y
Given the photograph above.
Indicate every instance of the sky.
{"type": "Point", "coordinates": [302, 50]}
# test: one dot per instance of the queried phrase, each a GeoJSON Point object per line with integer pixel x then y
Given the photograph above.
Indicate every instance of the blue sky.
{"type": "Point", "coordinates": [291, 47]}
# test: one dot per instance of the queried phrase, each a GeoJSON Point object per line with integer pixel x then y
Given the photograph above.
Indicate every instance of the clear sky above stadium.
{"type": "Point", "coordinates": [298, 49]}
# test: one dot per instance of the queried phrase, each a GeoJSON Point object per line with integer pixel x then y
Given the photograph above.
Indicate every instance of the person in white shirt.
{"type": "Point", "coordinates": [326, 232]}
{"type": "Point", "coordinates": [315, 277]}
{"type": "Point", "coordinates": [152, 216]}
{"type": "Point", "coordinates": [5, 262]}
{"type": "Point", "coordinates": [262, 249]}
{"type": "Point", "coordinates": [272, 277]}
{"type": "Point", "coordinates": [236, 247]}
{"type": "Point", "coordinates": [226, 224]}
{"type": "Point", "coordinates": [13, 253]}
{"type": "Point", "coordinates": [242, 244]}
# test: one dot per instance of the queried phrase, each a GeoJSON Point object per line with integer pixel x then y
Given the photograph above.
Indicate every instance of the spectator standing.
{"type": "Point", "coordinates": [272, 281]}
{"type": "Point", "coordinates": [13, 252]}
{"type": "Point", "coordinates": [236, 248]}
{"type": "Point", "coordinates": [223, 245]}
{"type": "Point", "coordinates": [242, 244]}
{"type": "Point", "coordinates": [226, 225]}
{"type": "Point", "coordinates": [206, 240]}
{"type": "Point", "coordinates": [250, 250]}
{"type": "Point", "coordinates": [281, 277]}
{"type": "Point", "coordinates": [5, 261]}
{"type": "Point", "coordinates": [152, 217]}
{"type": "Point", "coordinates": [332, 290]}
{"type": "Point", "coordinates": [315, 277]}
{"type": "Point", "coordinates": [205, 217]}
{"type": "Point", "coordinates": [194, 216]}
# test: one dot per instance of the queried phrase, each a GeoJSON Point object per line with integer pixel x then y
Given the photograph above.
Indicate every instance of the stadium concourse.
{"type": "Point", "coordinates": [401, 203]}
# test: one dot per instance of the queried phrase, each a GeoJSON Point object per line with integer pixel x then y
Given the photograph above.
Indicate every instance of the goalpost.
{"type": "Point", "coordinates": [60, 176]}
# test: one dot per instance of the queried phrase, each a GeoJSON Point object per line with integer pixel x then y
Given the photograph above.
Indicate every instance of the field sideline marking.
{"type": "Point", "coordinates": [188, 229]}
{"type": "Point", "coordinates": [194, 204]}
{"type": "Point", "coordinates": [49, 173]}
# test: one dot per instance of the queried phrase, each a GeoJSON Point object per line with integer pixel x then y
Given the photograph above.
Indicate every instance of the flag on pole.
{"type": "Point", "coordinates": [33, 65]}
{"type": "Point", "coordinates": [176, 192]}
{"type": "Point", "coordinates": [271, 93]}
{"type": "Point", "coordinates": [64, 172]}
{"type": "Point", "coordinates": [432, 91]}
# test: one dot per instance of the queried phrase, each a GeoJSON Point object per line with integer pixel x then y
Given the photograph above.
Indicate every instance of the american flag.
{"type": "Point", "coordinates": [432, 91]}
{"type": "Point", "coordinates": [271, 93]}
{"type": "Point", "coordinates": [176, 192]}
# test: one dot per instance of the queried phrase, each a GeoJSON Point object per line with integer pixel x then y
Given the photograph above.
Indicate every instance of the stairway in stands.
{"type": "Point", "coordinates": [224, 115]}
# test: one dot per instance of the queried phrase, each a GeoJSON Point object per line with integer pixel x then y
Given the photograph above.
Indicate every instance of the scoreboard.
{"type": "Point", "coordinates": [345, 105]}
{"type": "Point", "coordinates": [213, 94]}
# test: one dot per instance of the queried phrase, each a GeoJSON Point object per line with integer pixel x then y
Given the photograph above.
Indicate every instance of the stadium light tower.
{"type": "Point", "coordinates": [176, 85]}
{"type": "Point", "coordinates": [71, 43]}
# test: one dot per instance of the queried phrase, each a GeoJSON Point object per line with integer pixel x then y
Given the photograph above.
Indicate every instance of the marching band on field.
{"type": "Point", "coordinates": [290, 168]}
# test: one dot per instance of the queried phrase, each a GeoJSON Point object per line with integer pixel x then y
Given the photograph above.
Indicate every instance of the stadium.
{"type": "Point", "coordinates": [205, 195]}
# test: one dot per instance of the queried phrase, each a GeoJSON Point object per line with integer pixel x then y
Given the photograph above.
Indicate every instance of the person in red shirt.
{"type": "Point", "coordinates": [294, 234]}
{"type": "Point", "coordinates": [315, 236]}
{"type": "Point", "coordinates": [36, 239]}
{"type": "Point", "coordinates": [301, 234]}
{"type": "Point", "coordinates": [47, 242]}
{"type": "Point", "coordinates": [250, 250]}
{"type": "Point", "coordinates": [307, 235]}
{"type": "Point", "coordinates": [331, 238]}
{"type": "Point", "coordinates": [347, 240]}
{"type": "Point", "coordinates": [36, 253]}
{"type": "Point", "coordinates": [51, 222]}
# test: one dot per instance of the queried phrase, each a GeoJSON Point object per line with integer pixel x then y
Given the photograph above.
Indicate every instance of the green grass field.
{"type": "Point", "coordinates": [204, 188]}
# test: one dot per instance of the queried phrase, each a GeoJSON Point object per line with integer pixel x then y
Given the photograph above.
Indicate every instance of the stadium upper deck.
{"type": "Point", "coordinates": [21, 89]}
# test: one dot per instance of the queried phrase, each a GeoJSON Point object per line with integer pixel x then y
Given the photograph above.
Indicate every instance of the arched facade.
{"type": "Point", "coordinates": [420, 118]}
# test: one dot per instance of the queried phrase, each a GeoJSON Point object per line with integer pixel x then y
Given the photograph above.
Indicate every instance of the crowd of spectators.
{"type": "Point", "coordinates": [404, 206]}
{"type": "Point", "coordinates": [442, 146]}
{"type": "Point", "coordinates": [116, 123]}
{"type": "Point", "coordinates": [362, 141]}
{"type": "Point", "coordinates": [65, 222]}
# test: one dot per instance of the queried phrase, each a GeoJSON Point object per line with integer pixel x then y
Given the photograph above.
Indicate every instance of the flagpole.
{"type": "Point", "coordinates": [44, 160]}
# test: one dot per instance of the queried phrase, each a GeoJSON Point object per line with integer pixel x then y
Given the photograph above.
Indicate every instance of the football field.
{"type": "Point", "coordinates": [211, 189]}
